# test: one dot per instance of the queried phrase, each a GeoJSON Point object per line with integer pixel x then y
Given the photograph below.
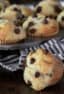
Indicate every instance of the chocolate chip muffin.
{"type": "Point", "coordinates": [42, 69]}
{"type": "Point", "coordinates": [9, 33]}
{"type": "Point", "coordinates": [25, 10]}
{"type": "Point", "coordinates": [60, 19]}
{"type": "Point", "coordinates": [48, 8]}
{"type": "Point", "coordinates": [41, 27]}
{"type": "Point", "coordinates": [16, 13]}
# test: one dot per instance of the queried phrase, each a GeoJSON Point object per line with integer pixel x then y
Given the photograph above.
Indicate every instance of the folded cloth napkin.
{"type": "Point", "coordinates": [12, 60]}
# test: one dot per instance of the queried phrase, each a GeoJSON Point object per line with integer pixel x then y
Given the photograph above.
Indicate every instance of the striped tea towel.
{"type": "Point", "coordinates": [55, 46]}
{"type": "Point", "coordinates": [12, 60]}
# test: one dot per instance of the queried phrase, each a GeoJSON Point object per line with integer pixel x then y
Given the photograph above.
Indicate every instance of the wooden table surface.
{"type": "Point", "coordinates": [12, 83]}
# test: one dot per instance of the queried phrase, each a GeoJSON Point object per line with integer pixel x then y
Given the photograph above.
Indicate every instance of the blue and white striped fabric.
{"type": "Point", "coordinates": [12, 60]}
{"type": "Point", "coordinates": [54, 46]}
{"type": "Point", "coordinates": [9, 59]}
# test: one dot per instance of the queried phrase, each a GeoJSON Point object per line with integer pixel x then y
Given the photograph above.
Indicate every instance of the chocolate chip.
{"type": "Point", "coordinates": [45, 21]}
{"type": "Point", "coordinates": [46, 17]}
{"type": "Point", "coordinates": [16, 9]}
{"type": "Point", "coordinates": [30, 24]}
{"type": "Point", "coordinates": [32, 61]}
{"type": "Point", "coordinates": [55, 17]}
{"type": "Point", "coordinates": [33, 30]}
{"type": "Point", "coordinates": [17, 30]}
{"type": "Point", "coordinates": [57, 9]}
{"type": "Point", "coordinates": [37, 74]}
{"type": "Point", "coordinates": [29, 83]}
{"type": "Point", "coordinates": [63, 18]}
{"type": "Point", "coordinates": [38, 10]}
{"type": "Point", "coordinates": [23, 16]}
{"type": "Point", "coordinates": [20, 17]}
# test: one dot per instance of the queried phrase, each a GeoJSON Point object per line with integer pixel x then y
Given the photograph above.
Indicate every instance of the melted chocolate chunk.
{"type": "Point", "coordinates": [57, 9]}
{"type": "Point", "coordinates": [55, 17]}
{"type": "Point", "coordinates": [20, 16]}
{"type": "Point", "coordinates": [63, 18]}
{"type": "Point", "coordinates": [45, 21]}
{"type": "Point", "coordinates": [16, 9]}
{"type": "Point", "coordinates": [39, 9]}
{"type": "Point", "coordinates": [30, 24]}
{"type": "Point", "coordinates": [33, 30]}
{"type": "Point", "coordinates": [29, 83]}
{"type": "Point", "coordinates": [23, 16]}
{"type": "Point", "coordinates": [32, 61]}
{"type": "Point", "coordinates": [37, 74]}
{"type": "Point", "coordinates": [51, 17]}
{"type": "Point", "coordinates": [17, 30]}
